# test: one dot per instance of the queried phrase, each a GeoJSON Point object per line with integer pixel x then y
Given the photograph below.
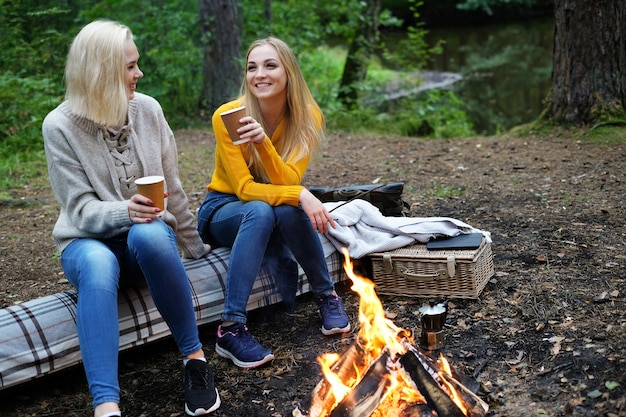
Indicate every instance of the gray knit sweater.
{"type": "Point", "coordinates": [85, 181]}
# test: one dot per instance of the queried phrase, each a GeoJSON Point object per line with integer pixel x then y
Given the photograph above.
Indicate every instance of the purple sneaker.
{"type": "Point", "coordinates": [334, 317]}
{"type": "Point", "coordinates": [237, 344]}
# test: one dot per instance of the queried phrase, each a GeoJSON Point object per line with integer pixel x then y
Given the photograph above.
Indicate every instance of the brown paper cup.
{"type": "Point", "coordinates": [154, 188]}
{"type": "Point", "coordinates": [231, 120]}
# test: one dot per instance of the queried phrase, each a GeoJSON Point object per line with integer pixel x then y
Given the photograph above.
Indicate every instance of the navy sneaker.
{"type": "Point", "coordinates": [237, 344]}
{"type": "Point", "coordinates": [201, 396]}
{"type": "Point", "coordinates": [334, 317]}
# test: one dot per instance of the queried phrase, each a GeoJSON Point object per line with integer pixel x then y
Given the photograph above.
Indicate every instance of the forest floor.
{"type": "Point", "coordinates": [546, 337]}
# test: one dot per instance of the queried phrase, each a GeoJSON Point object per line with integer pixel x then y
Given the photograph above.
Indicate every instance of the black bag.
{"type": "Point", "coordinates": [387, 197]}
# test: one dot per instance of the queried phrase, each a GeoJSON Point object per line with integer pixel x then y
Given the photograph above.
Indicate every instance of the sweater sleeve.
{"type": "Point", "coordinates": [178, 214]}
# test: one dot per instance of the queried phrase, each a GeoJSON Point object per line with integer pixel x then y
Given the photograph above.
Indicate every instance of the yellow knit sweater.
{"type": "Point", "coordinates": [232, 175]}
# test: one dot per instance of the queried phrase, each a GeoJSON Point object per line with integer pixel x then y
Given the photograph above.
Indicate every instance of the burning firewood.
{"type": "Point", "coordinates": [323, 397]}
{"type": "Point", "coordinates": [367, 395]}
{"type": "Point", "coordinates": [476, 406]}
{"type": "Point", "coordinates": [438, 399]}
{"type": "Point", "coordinates": [383, 373]}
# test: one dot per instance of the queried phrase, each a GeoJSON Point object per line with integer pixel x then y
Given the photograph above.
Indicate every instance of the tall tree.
{"type": "Point", "coordinates": [220, 25]}
{"type": "Point", "coordinates": [589, 61]}
{"type": "Point", "coordinates": [361, 46]}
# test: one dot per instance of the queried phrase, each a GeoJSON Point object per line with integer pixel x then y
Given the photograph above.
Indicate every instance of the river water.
{"type": "Point", "coordinates": [506, 70]}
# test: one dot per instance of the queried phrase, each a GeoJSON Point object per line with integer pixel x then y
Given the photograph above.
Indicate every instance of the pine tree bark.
{"type": "Point", "coordinates": [589, 61]}
{"type": "Point", "coordinates": [220, 26]}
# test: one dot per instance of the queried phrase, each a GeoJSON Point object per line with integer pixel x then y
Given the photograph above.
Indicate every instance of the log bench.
{"type": "Point", "coordinates": [38, 337]}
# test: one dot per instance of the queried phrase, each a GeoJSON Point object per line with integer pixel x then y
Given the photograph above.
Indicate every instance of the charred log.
{"type": "Point", "coordinates": [476, 407]}
{"type": "Point", "coordinates": [353, 359]}
{"type": "Point", "coordinates": [367, 395]}
{"type": "Point", "coordinates": [435, 396]}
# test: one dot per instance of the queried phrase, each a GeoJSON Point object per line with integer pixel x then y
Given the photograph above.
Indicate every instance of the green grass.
{"type": "Point", "coordinates": [23, 168]}
{"type": "Point", "coordinates": [609, 132]}
{"type": "Point", "coordinates": [445, 192]}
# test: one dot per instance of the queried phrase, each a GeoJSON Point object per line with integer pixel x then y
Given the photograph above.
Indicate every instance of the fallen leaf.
{"type": "Point", "coordinates": [594, 394]}
{"type": "Point", "coordinates": [602, 297]}
{"type": "Point", "coordinates": [556, 347]}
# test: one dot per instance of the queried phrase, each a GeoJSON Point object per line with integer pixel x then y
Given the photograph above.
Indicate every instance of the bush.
{"type": "Point", "coordinates": [25, 103]}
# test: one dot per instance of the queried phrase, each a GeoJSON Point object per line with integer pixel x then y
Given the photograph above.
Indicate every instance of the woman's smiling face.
{"type": "Point", "coordinates": [133, 73]}
{"type": "Point", "coordinates": [265, 73]}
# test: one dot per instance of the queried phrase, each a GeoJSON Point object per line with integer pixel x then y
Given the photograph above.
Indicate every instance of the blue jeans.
{"type": "Point", "coordinates": [98, 268]}
{"type": "Point", "coordinates": [253, 231]}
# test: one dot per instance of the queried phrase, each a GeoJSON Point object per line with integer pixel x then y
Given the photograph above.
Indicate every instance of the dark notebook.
{"type": "Point", "coordinates": [462, 241]}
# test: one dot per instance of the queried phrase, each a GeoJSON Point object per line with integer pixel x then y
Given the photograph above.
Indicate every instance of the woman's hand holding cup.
{"type": "Point", "coordinates": [149, 202]}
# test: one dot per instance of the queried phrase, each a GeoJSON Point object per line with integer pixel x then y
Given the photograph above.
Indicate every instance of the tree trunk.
{"type": "Point", "coordinates": [589, 61]}
{"type": "Point", "coordinates": [220, 28]}
{"type": "Point", "coordinates": [355, 68]}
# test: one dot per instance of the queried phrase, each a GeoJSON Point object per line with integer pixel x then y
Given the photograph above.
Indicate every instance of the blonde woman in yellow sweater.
{"type": "Point", "coordinates": [255, 204]}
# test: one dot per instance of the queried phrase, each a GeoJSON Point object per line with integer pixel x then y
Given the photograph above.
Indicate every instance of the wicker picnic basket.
{"type": "Point", "coordinates": [416, 271]}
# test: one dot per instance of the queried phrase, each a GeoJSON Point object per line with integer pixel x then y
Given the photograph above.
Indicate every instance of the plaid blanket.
{"type": "Point", "coordinates": [39, 337]}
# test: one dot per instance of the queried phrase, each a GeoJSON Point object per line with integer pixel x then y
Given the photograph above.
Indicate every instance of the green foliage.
{"type": "Point", "coordinates": [32, 36]}
{"type": "Point", "coordinates": [437, 114]}
{"type": "Point", "coordinates": [433, 114]}
{"type": "Point", "coordinates": [297, 23]}
{"type": "Point", "coordinates": [167, 35]}
{"type": "Point", "coordinates": [329, 63]}
{"type": "Point", "coordinates": [25, 101]}
{"type": "Point", "coordinates": [31, 77]}
{"type": "Point", "coordinates": [411, 52]}
{"type": "Point", "coordinates": [36, 35]}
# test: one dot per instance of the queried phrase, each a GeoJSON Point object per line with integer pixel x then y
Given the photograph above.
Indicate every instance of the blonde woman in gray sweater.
{"type": "Point", "coordinates": [97, 142]}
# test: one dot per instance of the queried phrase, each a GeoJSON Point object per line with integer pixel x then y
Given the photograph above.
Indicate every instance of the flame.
{"type": "Point", "coordinates": [376, 330]}
{"type": "Point", "coordinates": [377, 333]}
{"type": "Point", "coordinates": [445, 369]}
{"type": "Point", "coordinates": [327, 361]}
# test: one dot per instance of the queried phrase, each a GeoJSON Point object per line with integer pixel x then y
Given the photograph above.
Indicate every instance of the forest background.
{"type": "Point", "coordinates": [180, 44]}
{"type": "Point", "coordinates": [192, 52]}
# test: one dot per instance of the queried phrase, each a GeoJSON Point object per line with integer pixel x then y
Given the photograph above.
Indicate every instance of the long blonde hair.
{"type": "Point", "coordinates": [301, 134]}
{"type": "Point", "coordinates": [95, 72]}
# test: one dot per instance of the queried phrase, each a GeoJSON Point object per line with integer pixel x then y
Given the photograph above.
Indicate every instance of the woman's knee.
{"type": "Point", "coordinates": [289, 214]}
{"type": "Point", "coordinates": [259, 212]}
{"type": "Point", "coordinates": [155, 232]}
{"type": "Point", "coordinates": [91, 263]}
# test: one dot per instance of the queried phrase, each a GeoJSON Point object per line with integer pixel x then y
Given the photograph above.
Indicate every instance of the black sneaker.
{"type": "Point", "coordinates": [334, 317]}
{"type": "Point", "coordinates": [237, 344]}
{"type": "Point", "coordinates": [201, 396]}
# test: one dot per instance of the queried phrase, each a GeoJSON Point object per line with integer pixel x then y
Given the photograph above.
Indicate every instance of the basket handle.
{"type": "Point", "coordinates": [439, 274]}
{"type": "Point", "coordinates": [406, 272]}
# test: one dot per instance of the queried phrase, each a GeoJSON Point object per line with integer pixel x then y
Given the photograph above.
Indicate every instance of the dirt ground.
{"type": "Point", "coordinates": [546, 337]}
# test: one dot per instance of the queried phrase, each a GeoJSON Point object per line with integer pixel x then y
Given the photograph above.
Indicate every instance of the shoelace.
{"type": "Point", "coordinates": [331, 304]}
{"type": "Point", "coordinates": [198, 379]}
{"type": "Point", "coordinates": [245, 338]}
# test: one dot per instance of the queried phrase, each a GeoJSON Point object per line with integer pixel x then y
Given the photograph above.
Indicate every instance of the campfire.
{"type": "Point", "coordinates": [383, 373]}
